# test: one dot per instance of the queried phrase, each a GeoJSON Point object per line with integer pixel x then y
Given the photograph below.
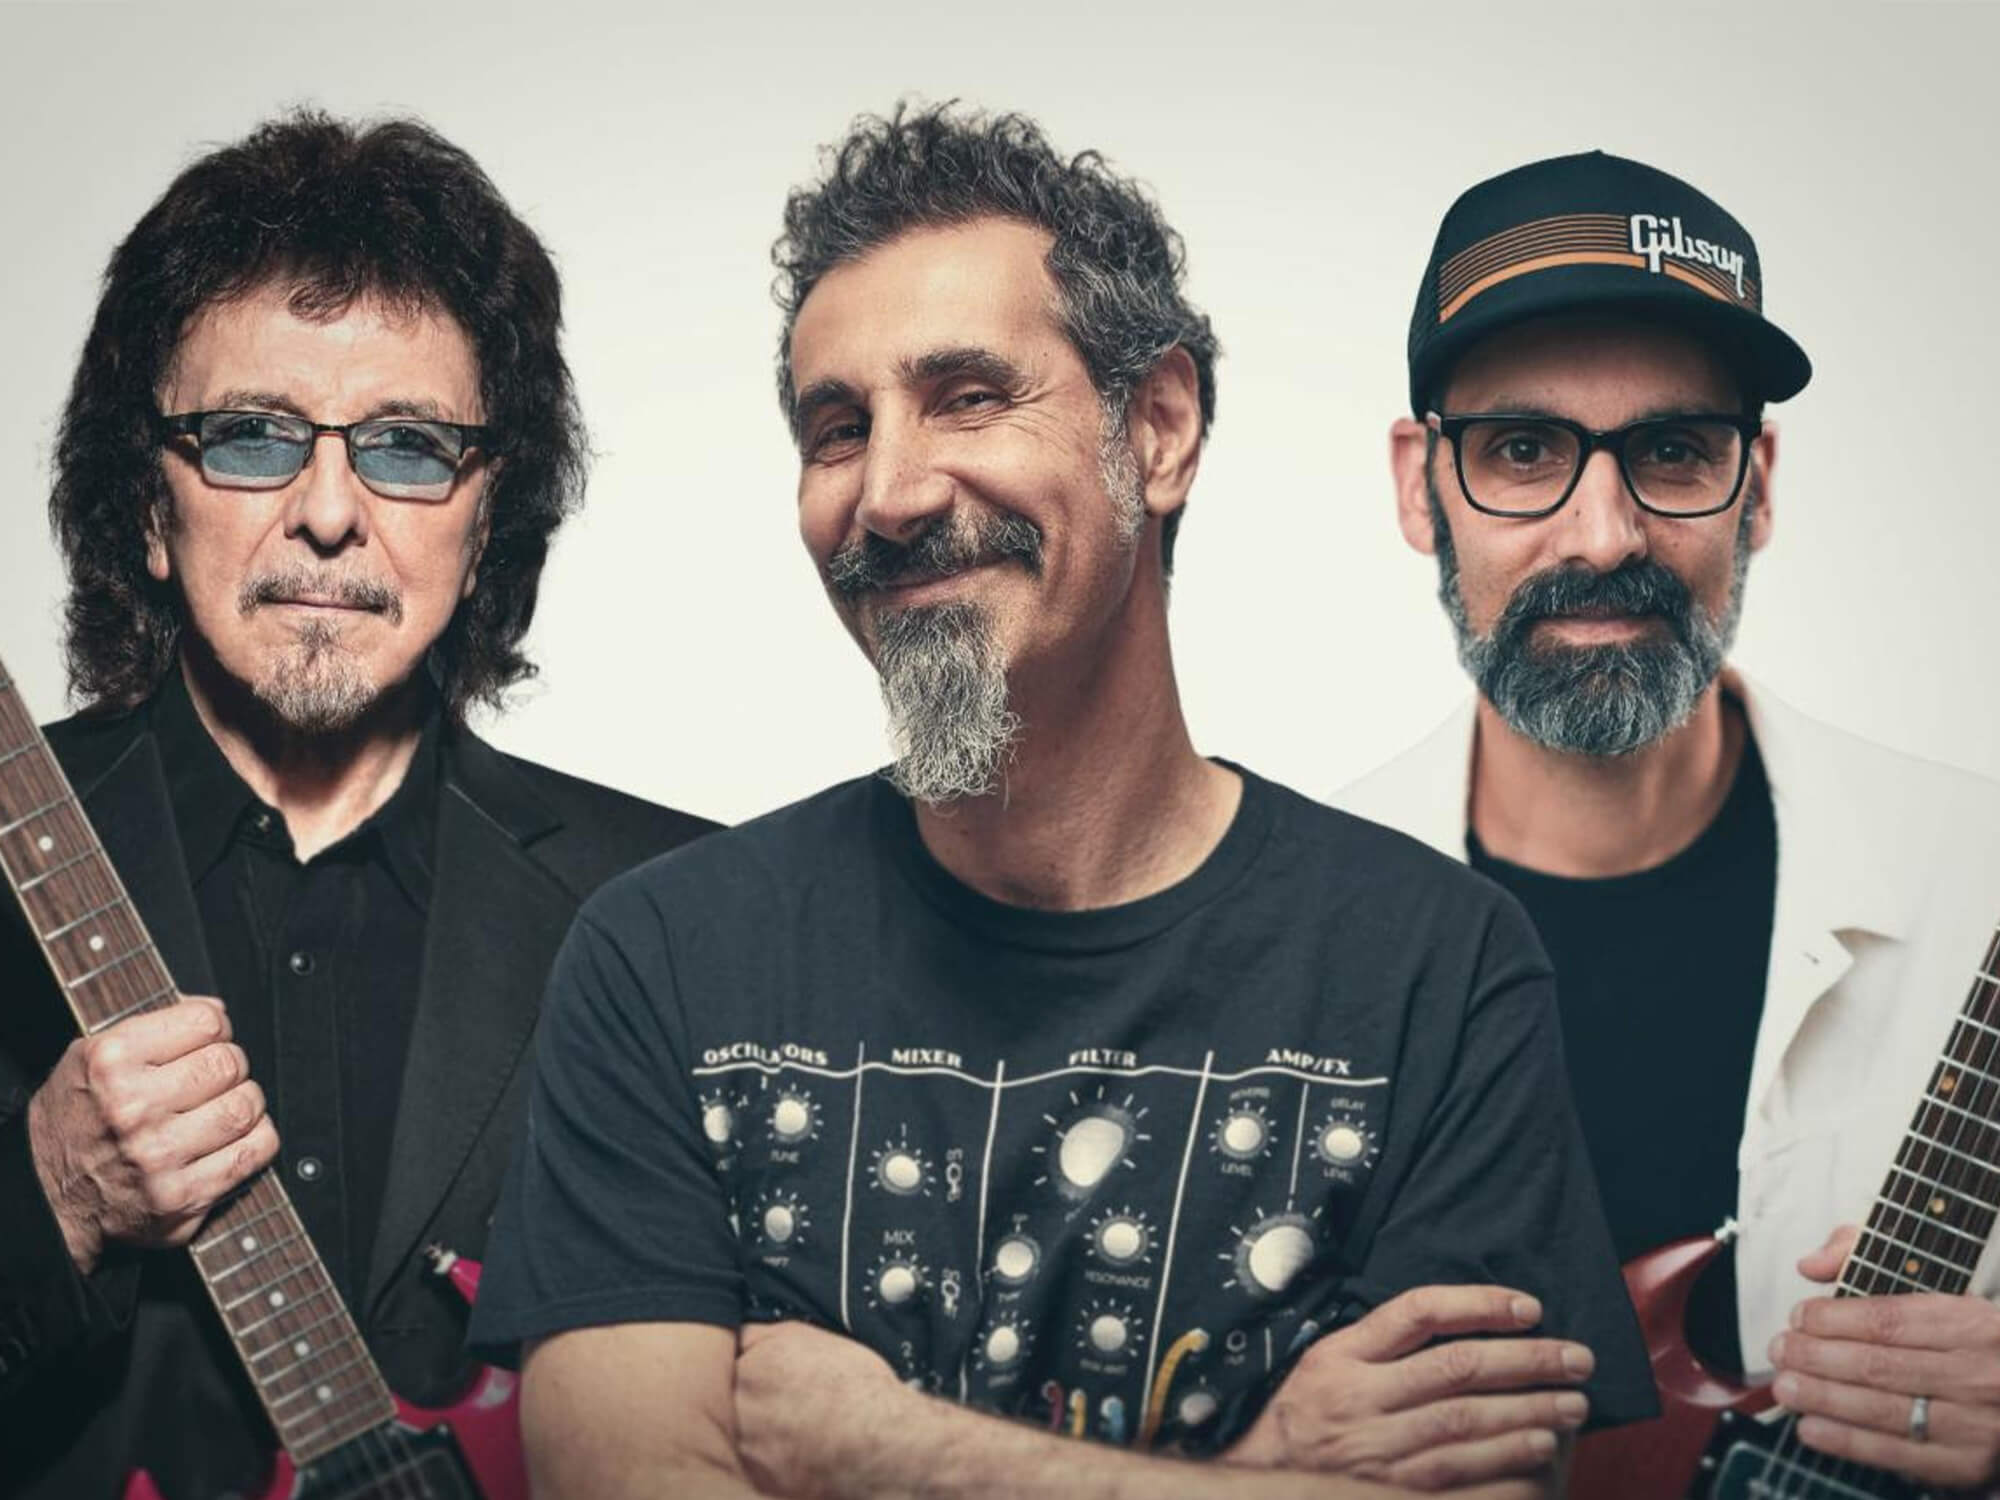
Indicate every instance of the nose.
{"type": "Point", "coordinates": [1601, 525]}
{"type": "Point", "coordinates": [327, 505]}
{"type": "Point", "coordinates": [902, 489]}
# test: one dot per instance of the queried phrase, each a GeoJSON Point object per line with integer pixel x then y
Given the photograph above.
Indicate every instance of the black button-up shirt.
{"type": "Point", "coordinates": [319, 964]}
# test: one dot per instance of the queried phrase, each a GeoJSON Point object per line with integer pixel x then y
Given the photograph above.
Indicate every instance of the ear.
{"type": "Point", "coordinates": [1763, 469]}
{"type": "Point", "coordinates": [1164, 428]}
{"type": "Point", "coordinates": [478, 537]}
{"type": "Point", "coordinates": [158, 563]}
{"type": "Point", "coordinates": [1409, 457]}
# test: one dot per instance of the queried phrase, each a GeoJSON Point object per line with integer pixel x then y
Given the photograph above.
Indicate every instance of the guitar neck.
{"type": "Point", "coordinates": [291, 1329]}
{"type": "Point", "coordinates": [1937, 1207]}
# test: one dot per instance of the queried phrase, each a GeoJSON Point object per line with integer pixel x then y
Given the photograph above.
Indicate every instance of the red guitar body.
{"type": "Point", "coordinates": [483, 1421]}
{"type": "Point", "coordinates": [1658, 1460]}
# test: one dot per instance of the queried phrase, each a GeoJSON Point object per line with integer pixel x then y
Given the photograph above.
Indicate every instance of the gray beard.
{"type": "Point", "coordinates": [945, 687]}
{"type": "Point", "coordinates": [314, 686]}
{"type": "Point", "coordinates": [1601, 700]}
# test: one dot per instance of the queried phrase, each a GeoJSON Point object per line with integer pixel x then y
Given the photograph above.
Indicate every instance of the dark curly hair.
{"type": "Point", "coordinates": [1117, 265]}
{"type": "Point", "coordinates": [335, 212]}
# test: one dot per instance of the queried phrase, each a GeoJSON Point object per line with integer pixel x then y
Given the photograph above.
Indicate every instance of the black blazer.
{"type": "Point", "coordinates": [129, 1368]}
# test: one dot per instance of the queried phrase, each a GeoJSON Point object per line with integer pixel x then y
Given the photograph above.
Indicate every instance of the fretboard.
{"type": "Point", "coordinates": [316, 1378]}
{"type": "Point", "coordinates": [1938, 1205]}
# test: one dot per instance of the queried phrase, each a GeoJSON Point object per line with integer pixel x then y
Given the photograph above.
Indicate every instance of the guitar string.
{"type": "Point", "coordinates": [1788, 1454]}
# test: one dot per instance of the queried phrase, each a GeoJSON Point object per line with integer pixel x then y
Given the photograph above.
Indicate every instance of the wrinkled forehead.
{"type": "Point", "coordinates": [981, 284]}
{"type": "Point", "coordinates": [1599, 368]}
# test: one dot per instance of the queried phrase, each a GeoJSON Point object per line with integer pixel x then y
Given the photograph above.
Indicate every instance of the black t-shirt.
{"type": "Point", "coordinates": [1660, 979]}
{"type": "Point", "coordinates": [1109, 1170]}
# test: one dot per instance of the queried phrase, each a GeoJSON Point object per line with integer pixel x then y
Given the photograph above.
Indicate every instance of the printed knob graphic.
{"type": "Point", "coordinates": [1122, 1238]}
{"type": "Point", "coordinates": [779, 1220]}
{"type": "Point", "coordinates": [1093, 1141]}
{"type": "Point", "coordinates": [794, 1118]}
{"type": "Point", "coordinates": [721, 1118]}
{"type": "Point", "coordinates": [1109, 1330]}
{"type": "Point", "coordinates": [896, 1281]}
{"type": "Point", "coordinates": [1196, 1407]}
{"type": "Point", "coordinates": [1343, 1141]}
{"type": "Point", "coordinates": [1242, 1134]}
{"type": "Point", "coordinates": [1015, 1259]}
{"type": "Point", "coordinates": [900, 1168]}
{"type": "Point", "coordinates": [1003, 1346]}
{"type": "Point", "coordinates": [1270, 1254]}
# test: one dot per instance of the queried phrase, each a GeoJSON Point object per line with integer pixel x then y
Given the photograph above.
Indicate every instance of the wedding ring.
{"type": "Point", "coordinates": [1920, 1419]}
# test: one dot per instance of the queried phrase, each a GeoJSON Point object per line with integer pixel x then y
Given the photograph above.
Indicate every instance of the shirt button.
{"type": "Point", "coordinates": [301, 963]}
{"type": "Point", "coordinates": [262, 822]}
{"type": "Point", "coordinates": [309, 1168]}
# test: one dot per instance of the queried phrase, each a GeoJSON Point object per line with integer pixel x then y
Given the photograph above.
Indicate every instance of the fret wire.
{"type": "Point", "coordinates": [319, 1378]}
{"type": "Point", "coordinates": [1936, 1145]}
{"type": "Point", "coordinates": [305, 1300]}
{"type": "Point", "coordinates": [1856, 1255]}
{"type": "Point", "coordinates": [12, 755]}
{"type": "Point", "coordinates": [263, 1249]}
{"type": "Point", "coordinates": [1932, 1185]}
{"type": "Point", "coordinates": [233, 1230]}
{"type": "Point", "coordinates": [76, 922]}
{"type": "Point", "coordinates": [294, 1335]}
{"type": "Point", "coordinates": [131, 1010]}
{"type": "Point", "coordinates": [274, 1284]}
{"type": "Point", "coordinates": [293, 1441]}
{"type": "Point", "coordinates": [54, 870]}
{"type": "Point", "coordinates": [1929, 1221]}
{"type": "Point", "coordinates": [1978, 1120]}
{"type": "Point", "coordinates": [1916, 1250]}
{"type": "Point", "coordinates": [1966, 1020]}
{"type": "Point", "coordinates": [124, 958]}
{"type": "Point", "coordinates": [23, 822]}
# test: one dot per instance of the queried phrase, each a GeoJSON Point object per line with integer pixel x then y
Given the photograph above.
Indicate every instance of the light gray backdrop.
{"type": "Point", "coordinates": [1305, 151]}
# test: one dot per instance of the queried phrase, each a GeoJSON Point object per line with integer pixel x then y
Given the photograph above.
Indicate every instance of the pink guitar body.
{"type": "Point", "coordinates": [483, 1422]}
{"type": "Point", "coordinates": [1658, 1460]}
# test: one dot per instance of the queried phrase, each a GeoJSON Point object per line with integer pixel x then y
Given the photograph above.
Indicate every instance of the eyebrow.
{"type": "Point", "coordinates": [816, 398]}
{"type": "Point", "coordinates": [240, 399]}
{"type": "Point", "coordinates": [1666, 412]}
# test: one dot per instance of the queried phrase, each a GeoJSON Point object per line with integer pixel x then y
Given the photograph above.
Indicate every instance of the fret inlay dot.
{"type": "Point", "coordinates": [96, 942]}
{"type": "Point", "coordinates": [247, 1243]}
{"type": "Point", "coordinates": [45, 843]}
{"type": "Point", "coordinates": [1947, 1083]}
{"type": "Point", "coordinates": [325, 1393]}
{"type": "Point", "coordinates": [1913, 1265]}
{"type": "Point", "coordinates": [302, 1348]}
{"type": "Point", "coordinates": [1937, 1205]}
{"type": "Point", "coordinates": [277, 1299]}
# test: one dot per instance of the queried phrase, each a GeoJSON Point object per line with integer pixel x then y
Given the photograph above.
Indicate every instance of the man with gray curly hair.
{"type": "Point", "coordinates": [1060, 1073]}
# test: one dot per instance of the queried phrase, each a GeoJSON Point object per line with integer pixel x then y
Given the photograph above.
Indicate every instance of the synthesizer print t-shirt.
{"type": "Point", "coordinates": [1110, 1171]}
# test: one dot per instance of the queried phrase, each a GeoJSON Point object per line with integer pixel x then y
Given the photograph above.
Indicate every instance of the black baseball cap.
{"type": "Point", "coordinates": [1587, 232]}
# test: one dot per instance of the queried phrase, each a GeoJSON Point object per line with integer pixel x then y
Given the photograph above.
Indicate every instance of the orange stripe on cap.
{"type": "Point", "coordinates": [1543, 263]}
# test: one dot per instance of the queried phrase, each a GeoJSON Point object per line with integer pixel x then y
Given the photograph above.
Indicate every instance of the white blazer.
{"type": "Point", "coordinates": [1888, 896]}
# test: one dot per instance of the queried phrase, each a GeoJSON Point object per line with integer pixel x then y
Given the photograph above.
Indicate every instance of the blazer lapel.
{"type": "Point", "coordinates": [127, 802]}
{"type": "Point", "coordinates": [496, 919]}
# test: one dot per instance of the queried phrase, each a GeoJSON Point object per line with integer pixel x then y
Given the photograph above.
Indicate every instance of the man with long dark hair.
{"type": "Point", "coordinates": [1069, 1074]}
{"type": "Point", "coordinates": [318, 441]}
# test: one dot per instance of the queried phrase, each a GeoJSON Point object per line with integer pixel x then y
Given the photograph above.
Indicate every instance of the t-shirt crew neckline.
{"type": "Point", "coordinates": [1747, 791]}
{"type": "Point", "coordinates": [1101, 929]}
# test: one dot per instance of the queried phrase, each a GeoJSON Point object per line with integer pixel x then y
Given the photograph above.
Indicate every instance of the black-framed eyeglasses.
{"type": "Point", "coordinates": [399, 458]}
{"type": "Point", "coordinates": [1527, 464]}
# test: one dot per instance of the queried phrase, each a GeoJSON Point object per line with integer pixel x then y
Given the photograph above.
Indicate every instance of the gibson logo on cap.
{"type": "Point", "coordinates": [1654, 237]}
{"type": "Point", "coordinates": [1642, 242]}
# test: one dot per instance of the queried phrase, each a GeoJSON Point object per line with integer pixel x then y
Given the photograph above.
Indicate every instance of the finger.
{"type": "Point", "coordinates": [1881, 1367]}
{"type": "Point", "coordinates": [1406, 1323]}
{"type": "Point", "coordinates": [1824, 1263]}
{"type": "Point", "coordinates": [157, 1036]}
{"type": "Point", "coordinates": [201, 1076]}
{"type": "Point", "coordinates": [1473, 1463]}
{"type": "Point", "coordinates": [1920, 1320]}
{"type": "Point", "coordinates": [205, 1182]}
{"type": "Point", "coordinates": [1472, 1419]}
{"type": "Point", "coordinates": [207, 1129]}
{"type": "Point", "coordinates": [1930, 1462]}
{"type": "Point", "coordinates": [1880, 1411]}
{"type": "Point", "coordinates": [1465, 1366]}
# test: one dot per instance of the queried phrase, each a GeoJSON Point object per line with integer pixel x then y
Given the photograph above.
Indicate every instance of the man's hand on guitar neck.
{"type": "Point", "coordinates": [144, 1126]}
{"type": "Point", "coordinates": [1852, 1367]}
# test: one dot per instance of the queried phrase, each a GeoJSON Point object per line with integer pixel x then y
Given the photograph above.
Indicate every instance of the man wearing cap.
{"type": "Point", "coordinates": [1763, 928]}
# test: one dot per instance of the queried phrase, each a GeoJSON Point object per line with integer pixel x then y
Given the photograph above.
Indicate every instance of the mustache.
{"type": "Point", "coordinates": [940, 550]}
{"type": "Point", "coordinates": [1640, 587]}
{"type": "Point", "coordinates": [288, 584]}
